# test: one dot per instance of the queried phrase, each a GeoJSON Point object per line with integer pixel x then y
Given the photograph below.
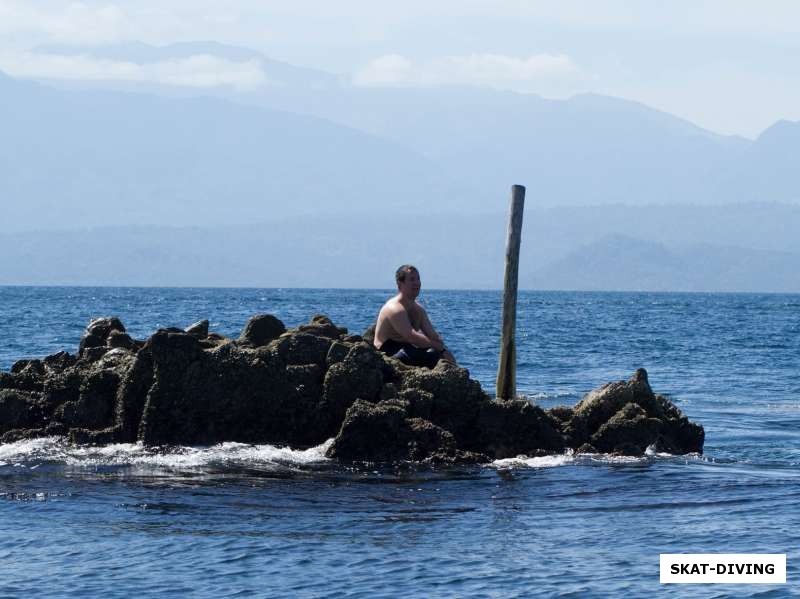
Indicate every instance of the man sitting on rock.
{"type": "Point", "coordinates": [403, 330]}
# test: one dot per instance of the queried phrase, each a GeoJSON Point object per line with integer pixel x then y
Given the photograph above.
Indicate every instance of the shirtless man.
{"type": "Point", "coordinates": [403, 329]}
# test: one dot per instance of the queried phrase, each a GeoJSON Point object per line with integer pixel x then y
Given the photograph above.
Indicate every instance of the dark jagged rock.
{"type": "Point", "coordinates": [419, 402]}
{"type": "Point", "coordinates": [35, 367]}
{"type": "Point", "coordinates": [358, 376]}
{"type": "Point", "coordinates": [456, 400]}
{"type": "Point", "coordinates": [170, 414]}
{"type": "Point", "coordinates": [337, 352]}
{"type": "Point", "coordinates": [92, 354]}
{"type": "Point", "coordinates": [89, 341]}
{"type": "Point", "coordinates": [198, 330]}
{"type": "Point", "coordinates": [369, 334]}
{"type": "Point", "coordinates": [136, 382]}
{"type": "Point", "coordinates": [118, 339]}
{"type": "Point", "coordinates": [101, 327]}
{"type": "Point", "coordinates": [19, 409]}
{"type": "Point", "coordinates": [63, 387]}
{"type": "Point", "coordinates": [97, 333]}
{"type": "Point", "coordinates": [627, 417]}
{"type": "Point", "coordinates": [213, 340]}
{"type": "Point", "coordinates": [261, 329]}
{"type": "Point", "coordinates": [586, 448]}
{"type": "Point", "coordinates": [628, 432]}
{"type": "Point", "coordinates": [94, 407]}
{"type": "Point", "coordinates": [372, 432]}
{"type": "Point", "coordinates": [303, 348]}
{"type": "Point", "coordinates": [382, 432]}
{"type": "Point", "coordinates": [678, 435]}
{"type": "Point", "coordinates": [322, 326]}
{"type": "Point", "coordinates": [59, 361]}
{"type": "Point", "coordinates": [426, 441]}
{"type": "Point", "coordinates": [512, 427]}
{"type": "Point", "coordinates": [25, 375]}
{"type": "Point", "coordinates": [303, 386]}
{"type": "Point", "coordinates": [20, 434]}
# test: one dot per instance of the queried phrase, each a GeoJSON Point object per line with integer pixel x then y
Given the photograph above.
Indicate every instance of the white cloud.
{"type": "Point", "coordinates": [496, 70]}
{"type": "Point", "coordinates": [388, 70]}
{"type": "Point", "coordinates": [65, 22]}
{"type": "Point", "coordinates": [195, 71]}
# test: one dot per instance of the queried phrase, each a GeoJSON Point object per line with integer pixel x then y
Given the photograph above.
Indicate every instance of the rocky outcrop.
{"type": "Point", "coordinates": [198, 329]}
{"type": "Point", "coordinates": [97, 333]}
{"type": "Point", "coordinates": [627, 417]}
{"type": "Point", "coordinates": [305, 385]}
{"type": "Point", "coordinates": [260, 330]}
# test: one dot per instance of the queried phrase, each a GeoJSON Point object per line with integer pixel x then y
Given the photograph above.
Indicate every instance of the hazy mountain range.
{"type": "Point", "coordinates": [602, 248]}
{"type": "Point", "coordinates": [140, 183]}
{"type": "Point", "coordinates": [589, 149]}
{"type": "Point", "coordinates": [95, 158]}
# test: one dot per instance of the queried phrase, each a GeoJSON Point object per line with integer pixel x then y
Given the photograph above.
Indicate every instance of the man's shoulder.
{"type": "Point", "coordinates": [392, 306]}
{"type": "Point", "coordinates": [419, 308]}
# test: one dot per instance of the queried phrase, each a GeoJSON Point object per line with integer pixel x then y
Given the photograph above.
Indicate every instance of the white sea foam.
{"type": "Point", "coordinates": [547, 461]}
{"type": "Point", "coordinates": [553, 395]}
{"type": "Point", "coordinates": [570, 457]}
{"type": "Point", "coordinates": [32, 453]}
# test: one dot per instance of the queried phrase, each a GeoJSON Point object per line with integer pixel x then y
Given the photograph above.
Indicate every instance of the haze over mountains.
{"type": "Point", "coordinates": [95, 158]}
{"type": "Point", "coordinates": [337, 172]}
{"type": "Point", "coordinates": [595, 248]}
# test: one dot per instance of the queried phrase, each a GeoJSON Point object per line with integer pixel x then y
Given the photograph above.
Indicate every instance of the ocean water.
{"type": "Point", "coordinates": [250, 521]}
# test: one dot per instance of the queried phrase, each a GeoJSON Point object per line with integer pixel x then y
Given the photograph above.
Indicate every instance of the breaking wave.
{"type": "Point", "coordinates": [585, 459]}
{"type": "Point", "coordinates": [55, 450]}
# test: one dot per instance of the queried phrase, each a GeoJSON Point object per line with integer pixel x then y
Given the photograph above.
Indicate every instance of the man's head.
{"type": "Point", "coordinates": [408, 282]}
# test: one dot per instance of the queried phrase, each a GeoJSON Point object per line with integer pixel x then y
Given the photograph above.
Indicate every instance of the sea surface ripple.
{"type": "Point", "coordinates": [237, 520]}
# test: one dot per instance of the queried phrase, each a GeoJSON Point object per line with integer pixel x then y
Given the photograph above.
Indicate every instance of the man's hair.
{"type": "Point", "coordinates": [400, 275]}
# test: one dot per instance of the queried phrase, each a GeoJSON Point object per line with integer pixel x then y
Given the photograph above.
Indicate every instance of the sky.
{"type": "Point", "coordinates": [727, 65]}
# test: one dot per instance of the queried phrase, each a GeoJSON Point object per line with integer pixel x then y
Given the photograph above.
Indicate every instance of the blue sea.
{"type": "Point", "coordinates": [259, 521]}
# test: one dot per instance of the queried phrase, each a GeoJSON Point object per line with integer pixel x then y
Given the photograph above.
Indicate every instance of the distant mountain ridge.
{"type": "Point", "coordinates": [94, 158]}
{"type": "Point", "coordinates": [562, 248]}
{"type": "Point", "coordinates": [450, 147]}
{"type": "Point", "coordinates": [623, 263]}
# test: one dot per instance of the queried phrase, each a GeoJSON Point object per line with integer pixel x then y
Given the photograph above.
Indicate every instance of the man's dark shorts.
{"type": "Point", "coordinates": [411, 355]}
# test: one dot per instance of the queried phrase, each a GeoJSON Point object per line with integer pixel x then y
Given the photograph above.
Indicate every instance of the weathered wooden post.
{"type": "Point", "coordinates": [507, 371]}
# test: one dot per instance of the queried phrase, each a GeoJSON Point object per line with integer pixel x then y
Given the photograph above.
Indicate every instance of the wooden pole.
{"type": "Point", "coordinates": [507, 371]}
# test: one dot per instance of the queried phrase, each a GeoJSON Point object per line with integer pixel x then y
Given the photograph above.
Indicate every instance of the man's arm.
{"type": "Point", "coordinates": [429, 331]}
{"type": "Point", "coordinates": [402, 325]}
